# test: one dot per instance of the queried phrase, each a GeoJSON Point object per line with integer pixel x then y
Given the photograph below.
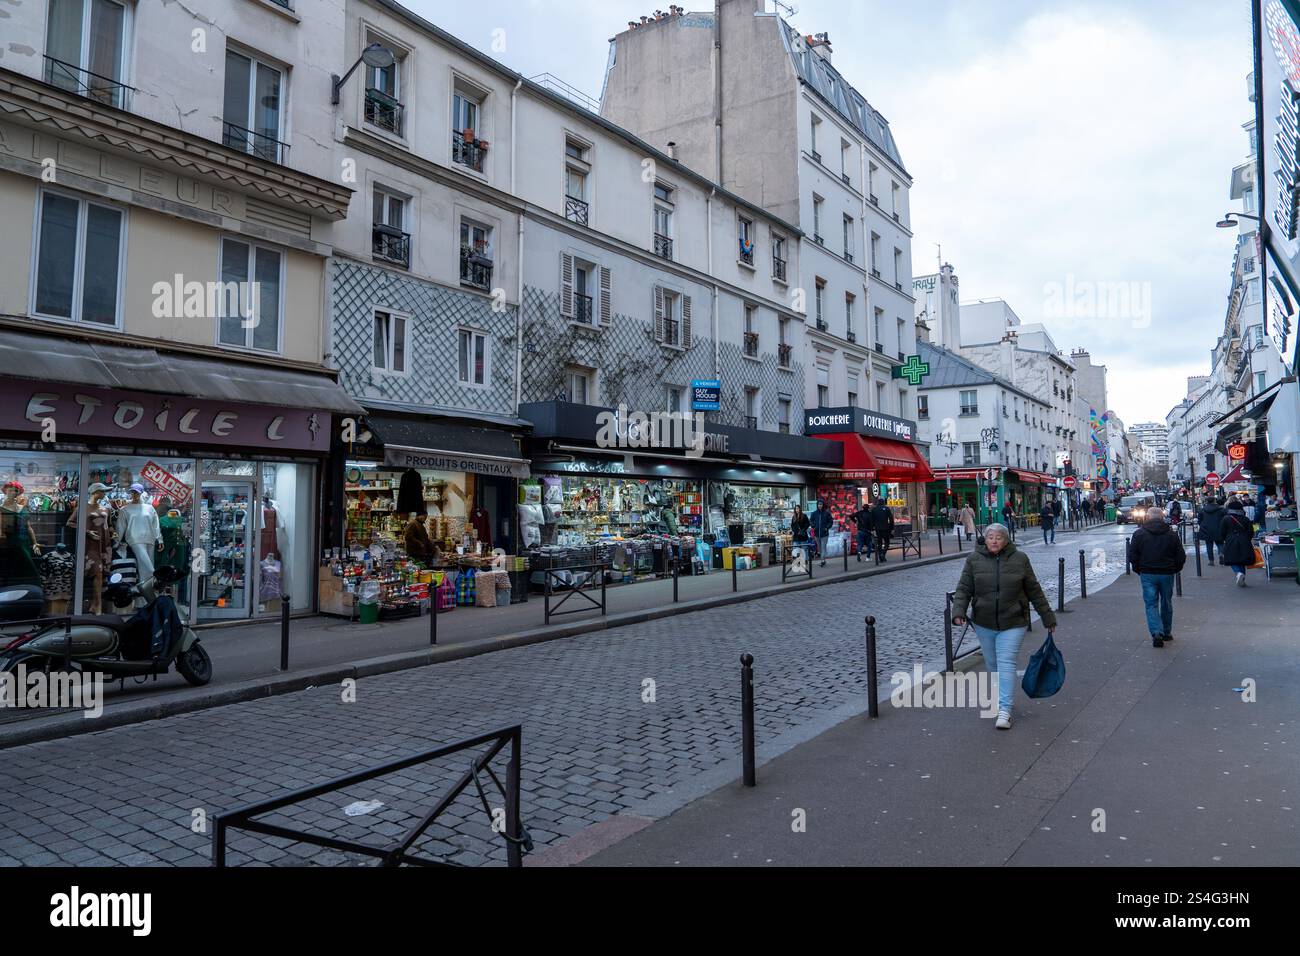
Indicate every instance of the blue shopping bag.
{"type": "Point", "coordinates": [1046, 671]}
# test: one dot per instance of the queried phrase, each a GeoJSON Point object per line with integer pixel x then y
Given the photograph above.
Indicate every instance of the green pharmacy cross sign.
{"type": "Point", "coordinates": [914, 370]}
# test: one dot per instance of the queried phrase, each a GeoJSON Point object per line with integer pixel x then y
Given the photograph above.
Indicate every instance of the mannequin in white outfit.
{"type": "Point", "coordinates": [137, 527]}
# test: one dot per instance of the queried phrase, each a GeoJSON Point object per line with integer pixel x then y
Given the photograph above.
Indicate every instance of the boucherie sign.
{"type": "Point", "coordinates": [73, 412]}
{"type": "Point", "coordinates": [862, 421]}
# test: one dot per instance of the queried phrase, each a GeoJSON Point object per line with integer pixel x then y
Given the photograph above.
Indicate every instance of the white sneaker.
{"type": "Point", "coordinates": [1004, 720]}
{"type": "Point", "coordinates": [1241, 580]}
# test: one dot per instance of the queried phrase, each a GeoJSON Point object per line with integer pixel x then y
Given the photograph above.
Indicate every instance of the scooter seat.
{"type": "Point", "coordinates": [99, 620]}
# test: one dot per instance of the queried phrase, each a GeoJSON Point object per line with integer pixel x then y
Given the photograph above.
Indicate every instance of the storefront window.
{"type": "Point", "coordinates": [284, 542]}
{"type": "Point", "coordinates": [599, 506]}
{"type": "Point", "coordinates": [381, 500]}
{"type": "Point", "coordinates": [139, 515]}
{"type": "Point", "coordinates": [762, 510]}
{"type": "Point", "coordinates": [38, 533]}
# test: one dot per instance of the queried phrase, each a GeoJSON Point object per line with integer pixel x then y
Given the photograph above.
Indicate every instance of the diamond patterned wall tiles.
{"type": "Point", "coordinates": [436, 314]}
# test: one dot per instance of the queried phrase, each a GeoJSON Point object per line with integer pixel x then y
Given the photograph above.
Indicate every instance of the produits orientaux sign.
{"type": "Point", "coordinates": [862, 421]}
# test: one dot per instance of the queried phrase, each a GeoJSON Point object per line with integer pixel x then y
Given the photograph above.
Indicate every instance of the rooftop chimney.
{"type": "Point", "coordinates": [672, 150]}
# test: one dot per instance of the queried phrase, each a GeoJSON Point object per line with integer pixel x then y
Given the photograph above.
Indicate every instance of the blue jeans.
{"type": "Point", "coordinates": [1238, 568]}
{"type": "Point", "coordinates": [1002, 648]}
{"type": "Point", "coordinates": [1158, 596]}
{"type": "Point", "coordinates": [1049, 530]}
{"type": "Point", "coordinates": [864, 543]}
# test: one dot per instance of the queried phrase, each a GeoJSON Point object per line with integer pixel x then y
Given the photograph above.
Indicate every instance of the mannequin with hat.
{"type": "Point", "coordinates": [99, 545]}
{"type": "Point", "coordinates": [19, 548]}
{"type": "Point", "coordinates": [138, 528]}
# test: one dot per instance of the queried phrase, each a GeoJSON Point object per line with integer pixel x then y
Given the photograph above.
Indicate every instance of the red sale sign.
{"type": "Point", "coordinates": [167, 483]}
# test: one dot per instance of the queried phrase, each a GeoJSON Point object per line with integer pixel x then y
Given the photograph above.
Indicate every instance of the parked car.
{"type": "Point", "coordinates": [1133, 508]}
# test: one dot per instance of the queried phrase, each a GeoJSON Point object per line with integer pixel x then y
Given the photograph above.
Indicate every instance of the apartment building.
{"type": "Point", "coordinates": [169, 197]}
{"type": "Point", "coordinates": [760, 108]}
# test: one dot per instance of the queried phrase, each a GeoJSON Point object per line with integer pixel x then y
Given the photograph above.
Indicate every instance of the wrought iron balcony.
{"type": "Point", "coordinates": [475, 269]}
{"type": "Point", "coordinates": [778, 269]}
{"type": "Point", "coordinates": [896, 219]}
{"type": "Point", "coordinates": [783, 353]}
{"type": "Point", "coordinates": [751, 344]}
{"type": "Point", "coordinates": [672, 334]}
{"type": "Point", "coordinates": [746, 253]}
{"type": "Point", "coordinates": [663, 246]}
{"type": "Point", "coordinates": [751, 422]}
{"type": "Point", "coordinates": [576, 210]}
{"type": "Point", "coordinates": [582, 309]}
{"type": "Point", "coordinates": [874, 201]}
{"type": "Point", "coordinates": [256, 144]}
{"type": "Point", "coordinates": [848, 257]}
{"type": "Point", "coordinates": [818, 239]}
{"type": "Point", "coordinates": [383, 111]}
{"type": "Point", "coordinates": [898, 285]}
{"type": "Point", "coordinates": [880, 348]}
{"type": "Point", "coordinates": [817, 157]}
{"type": "Point", "coordinates": [467, 152]}
{"type": "Point", "coordinates": [821, 325]}
{"type": "Point", "coordinates": [391, 245]}
{"type": "Point", "coordinates": [851, 336]}
{"type": "Point", "coordinates": [876, 273]}
{"type": "Point", "coordinates": [101, 89]}
{"type": "Point", "coordinates": [847, 182]}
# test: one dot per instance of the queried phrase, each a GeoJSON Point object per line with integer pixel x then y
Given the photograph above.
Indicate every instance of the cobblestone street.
{"type": "Point", "coordinates": [592, 748]}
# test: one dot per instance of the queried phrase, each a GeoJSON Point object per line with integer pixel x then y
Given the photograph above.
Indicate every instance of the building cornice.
{"type": "Point", "coordinates": [45, 106]}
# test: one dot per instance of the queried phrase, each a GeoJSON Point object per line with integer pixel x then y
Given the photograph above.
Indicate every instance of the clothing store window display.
{"type": "Point", "coordinates": [19, 549]}
{"type": "Point", "coordinates": [99, 546]}
{"type": "Point", "coordinates": [139, 530]}
{"type": "Point", "coordinates": [270, 553]}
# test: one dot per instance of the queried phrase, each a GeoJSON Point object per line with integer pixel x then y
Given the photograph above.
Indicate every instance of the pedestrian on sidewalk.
{"type": "Point", "coordinates": [968, 521]}
{"type": "Point", "coordinates": [882, 522]}
{"type": "Point", "coordinates": [1009, 516]}
{"type": "Point", "coordinates": [1156, 554]}
{"type": "Point", "coordinates": [798, 530]}
{"type": "Point", "coordinates": [1048, 518]}
{"type": "Point", "coordinates": [1237, 539]}
{"type": "Point", "coordinates": [862, 521]}
{"type": "Point", "coordinates": [1211, 520]}
{"type": "Point", "coordinates": [1085, 508]}
{"type": "Point", "coordinates": [820, 523]}
{"type": "Point", "coordinates": [998, 584]}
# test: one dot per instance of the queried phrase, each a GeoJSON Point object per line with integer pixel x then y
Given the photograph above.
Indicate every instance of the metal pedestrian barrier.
{"type": "Point", "coordinates": [517, 839]}
{"type": "Point", "coordinates": [579, 589]}
{"type": "Point", "coordinates": [951, 655]}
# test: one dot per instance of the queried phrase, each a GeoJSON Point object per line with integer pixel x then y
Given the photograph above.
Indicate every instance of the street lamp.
{"type": "Point", "coordinates": [1227, 222]}
{"type": "Point", "coordinates": [376, 56]}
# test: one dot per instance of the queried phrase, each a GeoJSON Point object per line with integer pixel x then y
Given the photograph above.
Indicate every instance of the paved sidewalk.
{"type": "Point", "coordinates": [1184, 771]}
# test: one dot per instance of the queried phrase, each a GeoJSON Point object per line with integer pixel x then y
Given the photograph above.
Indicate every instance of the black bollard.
{"type": "Point", "coordinates": [1197, 541]}
{"type": "Point", "coordinates": [734, 584]}
{"type": "Point", "coordinates": [676, 564]}
{"type": "Point", "coordinates": [1083, 576]}
{"type": "Point", "coordinates": [1128, 547]}
{"type": "Point", "coordinates": [846, 557]}
{"type": "Point", "coordinates": [1060, 584]}
{"type": "Point", "coordinates": [941, 542]}
{"type": "Point", "coordinates": [747, 716]}
{"type": "Point", "coordinates": [959, 540]}
{"type": "Point", "coordinates": [873, 692]}
{"type": "Point", "coordinates": [284, 632]}
{"type": "Point", "coordinates": [433, 616]}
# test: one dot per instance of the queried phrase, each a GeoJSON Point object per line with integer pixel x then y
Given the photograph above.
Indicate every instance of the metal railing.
{"type": "Point", "coordinates": [475, 270]}
{"type": "Point", "coordinates": [517, 839]}
{"type": "Point", "coordinates": [874, 200]}
{"type": "Point", "coordinates": [576, 210]}
{"type": "Point", "coordinates": [847, 182]}
{"type": "Point", "coordinates": [101, 89]}
{"type": "Point", "coordinates": [783, 353]}
{"type": "Point", "coordinates": [821, 325]}
{"type": "Point", "coordinates": [671, 328]}
{"type": "Point", "coordinates": [751, 422]}
{"type": "Point", "coordinates": [818, 239]}
{"type": "Point", "coordinates": [751, 344]}
{"type": "Point", "coordinates": [951, 655]}
{"type": "Point", "coordinates": [746, 256]}
{"type": "Point", "coordinates": [582, 308]}
{"type": "Point", "coordinates": [778, 268]}
{"type": "Point", "coordinates": [851, 336]}
{"type": "Point", "coordinates": [848, 257]}
{"type": "Point", "coordinates": [466, 152]}
{"type": "Point", "coordinates": [256, 144]}
{"type": "Point", "coordinates": [663, 246]}
{"type": "Point", "coordinates": [391, 245]}
{"type": "Point", "coordinates": [584, 584]}
{"type": "Point", "coordinates": [383, 111]}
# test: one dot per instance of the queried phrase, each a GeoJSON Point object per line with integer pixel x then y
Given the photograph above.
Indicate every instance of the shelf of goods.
{"type": "Point", "coordinates": [225, 537]}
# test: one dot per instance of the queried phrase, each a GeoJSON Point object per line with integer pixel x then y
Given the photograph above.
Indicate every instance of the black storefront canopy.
{"type": "Point", "coordinates": [428, 445]}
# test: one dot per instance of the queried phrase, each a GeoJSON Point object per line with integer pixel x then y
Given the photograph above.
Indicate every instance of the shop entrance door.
{"type": "Point", "coordinates": [225, 535]}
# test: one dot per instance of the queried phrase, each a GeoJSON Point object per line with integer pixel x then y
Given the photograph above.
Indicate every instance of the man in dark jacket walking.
{"type": "Point", "coordinates": [1157, 555]}
{"type": "Point", "coordinates": [1237, 539]}
{"type": "Point", "coordinates": [1211, 520]}
{"type": "Point", "coordinates": [882, 522]}
{"type": "Point", "coordinates": [1048, 518]}
{"type": "Point", "coordinates": [820, 523]}
{"type": "Point", "coordinates": [862, 521]}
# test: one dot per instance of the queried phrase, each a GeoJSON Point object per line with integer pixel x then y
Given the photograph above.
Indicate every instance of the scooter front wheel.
{"type": "Point", "coordinates": [195, 665]}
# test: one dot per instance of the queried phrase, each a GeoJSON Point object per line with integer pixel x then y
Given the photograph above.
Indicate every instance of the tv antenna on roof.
{"type": "Point", "coordinates": [786, 8]}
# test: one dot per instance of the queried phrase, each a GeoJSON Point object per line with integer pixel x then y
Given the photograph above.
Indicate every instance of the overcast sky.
{"type": "Point", "coordinates": [1058, 149]}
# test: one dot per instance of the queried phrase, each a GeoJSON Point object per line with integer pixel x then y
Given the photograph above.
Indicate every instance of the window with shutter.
{"type": "Point", "coordinates": [566, 285]}
{"type": "Point", "coordinates": [659, 314]}
{"type": "Point", "coordinates": [686, 322]}
{"type": "Point", "coordinates": [606, 297]}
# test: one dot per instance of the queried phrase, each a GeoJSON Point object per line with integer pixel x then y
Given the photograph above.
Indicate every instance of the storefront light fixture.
{"type": "Point", "coordinates": [377, 56]}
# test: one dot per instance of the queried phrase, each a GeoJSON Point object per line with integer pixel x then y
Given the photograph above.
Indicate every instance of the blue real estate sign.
{"type": "Point", "coordinates": [706, 395]}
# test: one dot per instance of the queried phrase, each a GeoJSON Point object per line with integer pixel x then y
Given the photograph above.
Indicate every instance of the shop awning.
{"type": "Point", "coordinates": [441, 446]}
{"type": "Point", "coordinates": [1032, 477]}
{"type": "Point", "coordinates": [958, 474]}
{"type": "Point", "coordinates": [1237, 473]}
{"type": "Point", "coordinates": [880, 459]}
{"type": "Point", "coordinates": [29, 355]}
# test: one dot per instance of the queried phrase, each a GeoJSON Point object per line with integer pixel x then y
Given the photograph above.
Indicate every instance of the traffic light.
{"type": "Point", "coordinates": [1069, 468]}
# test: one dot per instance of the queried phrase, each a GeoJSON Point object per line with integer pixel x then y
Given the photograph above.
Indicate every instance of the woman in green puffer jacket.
{"type": "Point", "coordinates": [997, 586]}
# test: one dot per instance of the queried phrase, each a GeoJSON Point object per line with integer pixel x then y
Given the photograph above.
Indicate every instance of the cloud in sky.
{"type": "Point", "coordinates": [1052, 146]}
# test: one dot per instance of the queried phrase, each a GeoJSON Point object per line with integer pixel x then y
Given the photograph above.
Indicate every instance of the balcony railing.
{"type": "Point", "coordinates": [898, 285]}
{"type": "Point", "coordinates": [821, 325]}
{"type": "Point", "coordinates": [467, 152]}
{"type": "Point", "coordinates": [848, 257]}
{"type": "Point", "coordinates": [751, 422]}
{"type": "Point", "coordinates": [847, 181]}
{"type": "Point", "coordinates": [817, 157]}
{"type": "Point", "coordinates": [582, 309]}
{"type": "Point", "coordinates": [663, 246]}
{"type": "Point", "coordinates": [851, 336]}
{"type": "Point", "coordinates": [475, 269]}
{"type": "Point", "coordinates": [880, 348]}
{"type": "Point", "coordinates": [783, 353]}
{"type": "Point", "coordinates": [876, 273]}
{"type": "Point", "coordinates": [751, 344]}
{"type": "Point", "coordinates": [383, 111]}
{"type": "Point", "coordinates": [746, 252]}
{"type": "Point", "coordinates": [874, 200]}
{"type": "Point", "coordinates": [391, 245]}
{"type": "Point", "coordinates": [818, 239]}
{"type": "Point", "coordinates": [576, 210]}
{"type": "Point", "coordinates": [896, 219]}
{"type": "Point", "coordinates": [778, 269]}
{"type": "Point", "coordinates": [256, 144]}
{"type": "Point", "coordinates": [672, 332]}
{"type": "Point", "coordinates": [101, 89]}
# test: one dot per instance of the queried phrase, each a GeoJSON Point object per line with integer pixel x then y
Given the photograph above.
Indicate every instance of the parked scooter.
{"type": "Point", "coordinates": [146, 643]}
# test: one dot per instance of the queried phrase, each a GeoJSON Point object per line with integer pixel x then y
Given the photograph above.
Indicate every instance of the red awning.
{"type": "Point", "coordinates": [881, 459]}
{"type": "Point", "coordinates": [1032, 477]}
{"type": "Point", "coordinates": [1236, 474]}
